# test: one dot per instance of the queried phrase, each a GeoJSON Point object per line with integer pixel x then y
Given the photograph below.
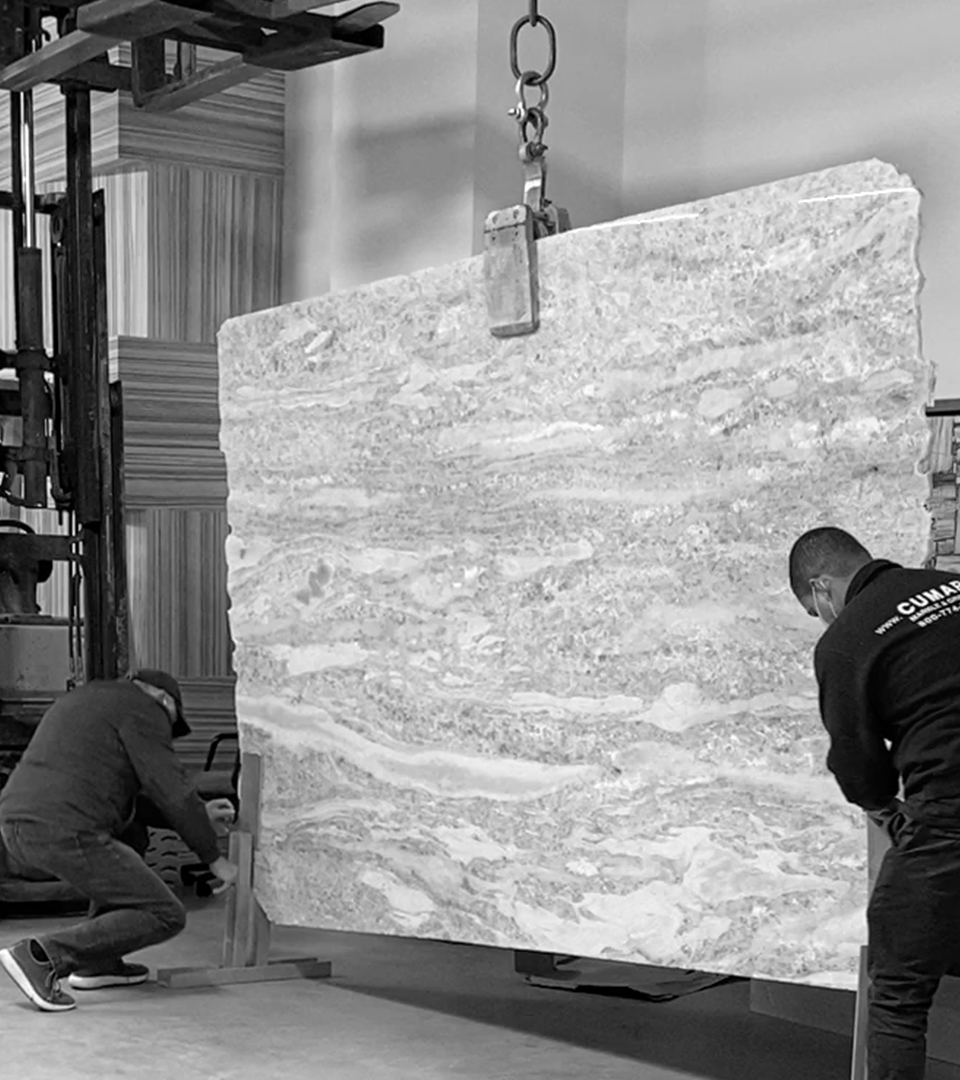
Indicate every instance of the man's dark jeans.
{"type": "Point", "coordinates": [914, 924]}
{"type": "Point", "coordinates": [131, 907]}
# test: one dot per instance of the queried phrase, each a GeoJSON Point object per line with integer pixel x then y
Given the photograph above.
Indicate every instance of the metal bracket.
{"type": "Point", "coordinates": [510, 272]}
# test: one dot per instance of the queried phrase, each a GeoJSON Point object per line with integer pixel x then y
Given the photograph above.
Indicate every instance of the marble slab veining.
{"type": "Point", "coordinates": [513, 631]}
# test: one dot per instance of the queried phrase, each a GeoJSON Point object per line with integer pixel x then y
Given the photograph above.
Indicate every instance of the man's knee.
{"type": "Point", "coordinates": [172, 916]}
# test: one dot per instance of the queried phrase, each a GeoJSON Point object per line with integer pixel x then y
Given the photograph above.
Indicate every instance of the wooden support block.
{"type": "Point", "coordinates": [245, 900]}
{"type": "Point", "coordinates": [130, 20]}
{"type": "Point", "coordinates": [858, 1067]}
{"type": "Point", "coordinates": [940, 456]}
{"type": "Point", "coordinates": [258, 937]}
{"type": "Point", "coordinates": [540, 964]}
{"type": "Point", "coordinates": [246, 945]}
{"type": "Point", "coordinates": [148, 67]}
{"type": "Point", "coordinates": [250, 784]}
{"type": "Point", "coordinates": [184, 978]}
{"type": "Point", "coordinates": [230, 910]}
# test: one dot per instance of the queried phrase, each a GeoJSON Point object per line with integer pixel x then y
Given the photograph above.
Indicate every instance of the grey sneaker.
{"type": "Point", "coordinates": [30, 968]}
{"type": "Point", "coordinates": [116, 974]}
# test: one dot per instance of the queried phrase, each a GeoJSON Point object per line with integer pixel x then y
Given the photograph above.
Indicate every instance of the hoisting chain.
{"type": "Point", "coordinates": [532, 122]}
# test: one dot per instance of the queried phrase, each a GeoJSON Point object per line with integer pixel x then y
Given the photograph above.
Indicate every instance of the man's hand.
{"type": "Point", "coordinates": [226, 871]}
{"type": "Point", "coordinates": [221, 814]}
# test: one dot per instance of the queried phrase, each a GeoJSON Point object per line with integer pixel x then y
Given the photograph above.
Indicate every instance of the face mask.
{"type": "Point", "coordinates": [816, 604]}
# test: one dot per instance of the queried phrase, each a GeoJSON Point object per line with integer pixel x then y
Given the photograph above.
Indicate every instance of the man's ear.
{"type": "Point", "coordinates": [170, 705]}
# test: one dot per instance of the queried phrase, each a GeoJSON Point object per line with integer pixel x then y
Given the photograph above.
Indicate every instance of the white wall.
{"type": "Point", "coordinates": [380, 154]}
{"type": "Point", "coordinates": [395, 159]}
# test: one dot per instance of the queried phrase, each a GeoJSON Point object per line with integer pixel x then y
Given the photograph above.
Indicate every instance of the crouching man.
{"type": "Point", "coordinates": [70, 798]}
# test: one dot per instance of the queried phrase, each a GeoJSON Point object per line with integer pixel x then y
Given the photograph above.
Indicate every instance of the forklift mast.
{"type": "Point", "coordinates": [61, 429]}
{"type": "Point", "coordinates": [67, 430]}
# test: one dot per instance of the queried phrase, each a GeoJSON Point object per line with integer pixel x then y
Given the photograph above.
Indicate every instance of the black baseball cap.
{"type": "Point", "coordinates": [163, 680]}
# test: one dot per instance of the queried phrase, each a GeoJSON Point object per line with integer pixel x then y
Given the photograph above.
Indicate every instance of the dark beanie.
{"type": "Point", "coordinates": [163, 680]}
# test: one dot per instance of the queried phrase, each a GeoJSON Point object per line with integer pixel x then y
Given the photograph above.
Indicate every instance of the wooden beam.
{"type": "Point", "coordinates": [246, 944]}
{"type": "Point", "coordinates": [148, 67]}
{"type": "Point", "coordinates": [101, 25]}
{"type": "Point", "coordinates": [186, 978]}
{"type": "Point", "coordinates": [362, 18]}
{"type": "Point", "coordinates": [277, 10]}
{"type": "Point", "coordinates": [99, 75]}
{"type": "Point", "coordinates": [213, 79]}
{"type": "Point", "coordinates": [289, 53]}
{"type": "Point", "coordinates": [284, 52]}
{"type": "Point", "coordinates": [219, 34]}
{"type": "Point", "coordinates": [54, 60]}
{"type": "Point", "coordinates": [130, 20]}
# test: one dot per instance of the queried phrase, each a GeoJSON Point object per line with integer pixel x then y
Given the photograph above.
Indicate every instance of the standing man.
{"type": "Point", "coordinates": [888, 668]}
{"type": "Point", "coordinates": [71, 796]}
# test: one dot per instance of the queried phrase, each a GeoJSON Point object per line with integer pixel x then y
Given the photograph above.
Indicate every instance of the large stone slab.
{"type": "Point", "coordinates": [513, 630]}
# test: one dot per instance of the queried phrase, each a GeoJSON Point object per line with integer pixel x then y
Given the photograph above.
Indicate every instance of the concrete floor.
{"type": "Point", "coordinates": [394, 1009]}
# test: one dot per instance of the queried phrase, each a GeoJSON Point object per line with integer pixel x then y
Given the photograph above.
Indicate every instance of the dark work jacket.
{"type": "Point", "coordinates": [95, 751]}
{"type": "Point", "coordinates": [889, 669]}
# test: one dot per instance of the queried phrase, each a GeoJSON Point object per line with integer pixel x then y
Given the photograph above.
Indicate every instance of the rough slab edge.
{"type": "Point", "coordinates": [858, 179]}
{"type": "Point", "coordinates": [275, 971]}
{"type": "Point", "coordinates": [922, 466]}
{"type": "Point", "coordinates": [854, 180]}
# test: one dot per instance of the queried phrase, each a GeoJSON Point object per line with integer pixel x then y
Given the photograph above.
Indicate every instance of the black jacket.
{"type": "Point", "coordinates": [94, 752]}
{"type": "Point", "coordinates": [889, 669]}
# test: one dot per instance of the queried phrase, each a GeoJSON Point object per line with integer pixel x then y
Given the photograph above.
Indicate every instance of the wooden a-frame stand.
{"type": "Point", "coordinates": [246, 943]}
{"type": "Point", "coordinates": [877, 844]}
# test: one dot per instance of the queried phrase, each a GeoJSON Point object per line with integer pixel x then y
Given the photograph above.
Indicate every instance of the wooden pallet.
{"type": "Point", "coordinates": [246, 944]}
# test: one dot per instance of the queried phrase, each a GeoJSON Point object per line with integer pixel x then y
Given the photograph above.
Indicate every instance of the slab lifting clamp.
{"type": "Point", "coordinates": [511, 273]}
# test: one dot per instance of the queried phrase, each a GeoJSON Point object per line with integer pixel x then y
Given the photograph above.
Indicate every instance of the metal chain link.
{"type": "Point", "coordinates": [532, 122]}
{"type": "Point", "coordinates": [534, 18]}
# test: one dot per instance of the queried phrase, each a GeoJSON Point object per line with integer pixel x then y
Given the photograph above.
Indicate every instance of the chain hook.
{"type": "Point", "coordinates": [522, 111]}
{"type": "Point", "coordinates": [532, 122]}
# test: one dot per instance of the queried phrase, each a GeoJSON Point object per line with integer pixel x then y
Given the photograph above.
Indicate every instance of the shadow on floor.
{"type": "Point", "coordinates": [711, 1035]}
{"type": "Point", "coordinates": [399, 1008]}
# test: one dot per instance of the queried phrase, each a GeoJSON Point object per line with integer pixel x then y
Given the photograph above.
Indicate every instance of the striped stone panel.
{"type": "Point", "coordinates": [177, 584]}
{"type": "Point", "coordinates": [239, 129]}
{"type": "Point", "coordinates": [172, 453]}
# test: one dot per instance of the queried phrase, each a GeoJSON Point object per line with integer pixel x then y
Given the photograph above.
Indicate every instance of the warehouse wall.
{"type": "Point", "coordinates": [393, 160]}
